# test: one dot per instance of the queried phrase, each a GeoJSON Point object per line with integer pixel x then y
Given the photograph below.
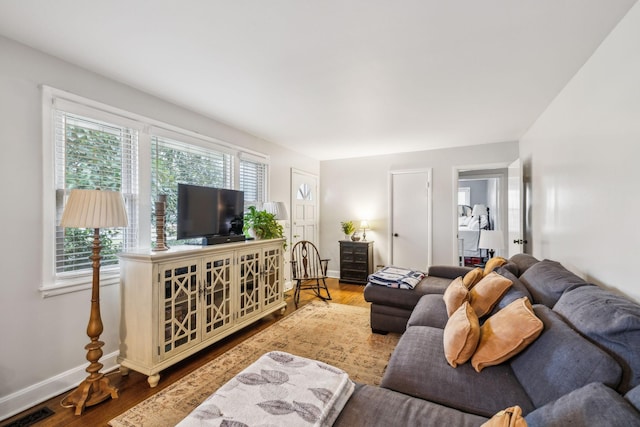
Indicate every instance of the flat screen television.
{"type": "Point", "coordinates": [208, 212]}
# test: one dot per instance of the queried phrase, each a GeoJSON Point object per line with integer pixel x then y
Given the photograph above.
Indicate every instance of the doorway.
{"type": "Point", "coordinates": [411, 219]}
{"type": "Point", "coordinates": [481, 205]}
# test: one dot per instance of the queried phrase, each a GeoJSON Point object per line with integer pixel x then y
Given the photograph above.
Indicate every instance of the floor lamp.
{"type": "Point", "coordinates": [93, 209]}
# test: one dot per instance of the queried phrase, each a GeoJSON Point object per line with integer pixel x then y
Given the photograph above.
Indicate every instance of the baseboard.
{"type": "Point", "coordinates": [288, 286]}
{"type": "Point", "coordinates": [37, 393]}
{"type": "Point", "coordinates": [333, 274]}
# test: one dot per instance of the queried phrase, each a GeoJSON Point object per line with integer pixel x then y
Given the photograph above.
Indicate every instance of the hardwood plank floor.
{"type": "Point", "coordinates": [133, 388]}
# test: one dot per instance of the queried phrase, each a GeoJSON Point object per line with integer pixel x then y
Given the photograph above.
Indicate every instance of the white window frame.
{"type": "Point", "coordinates": [52, 284]}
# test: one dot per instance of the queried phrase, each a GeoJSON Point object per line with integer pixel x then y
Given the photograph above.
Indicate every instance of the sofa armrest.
{"type": "Point", "coordinates": [448, 271]}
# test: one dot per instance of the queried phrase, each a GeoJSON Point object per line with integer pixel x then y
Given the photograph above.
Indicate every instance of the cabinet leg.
{"type": "Point", "coordinates": [153, 380]}
{"type": "Point", "coordinates": [283, 310]}
{"type": "Point", "coordinates": [124, 371]}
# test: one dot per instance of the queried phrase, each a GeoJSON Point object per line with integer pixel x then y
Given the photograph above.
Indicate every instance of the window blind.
{"type": "Point", "coordinates": [91, 154]}
{"type": "Point", "coordinates": [176, 162]}
{"type": "Point", "coordinates": [253, 177]}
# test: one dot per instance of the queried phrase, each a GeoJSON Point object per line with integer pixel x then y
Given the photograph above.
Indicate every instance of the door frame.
{"type": "Point", "coordinates": [429, 172]}
{"type": "Point", "coordinates": [456, 169]}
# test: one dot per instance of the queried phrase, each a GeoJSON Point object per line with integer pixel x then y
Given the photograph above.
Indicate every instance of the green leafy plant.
{"type": "Point", "coordinates": [347, 227]}
{"type": "Point", "coordinates": [263, 223]}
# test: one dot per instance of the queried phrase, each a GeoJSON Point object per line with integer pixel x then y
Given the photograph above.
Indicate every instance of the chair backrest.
{"type": "Point", "coordinates": [306, 262]}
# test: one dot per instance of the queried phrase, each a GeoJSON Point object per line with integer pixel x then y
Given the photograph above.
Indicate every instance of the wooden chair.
{"type": "Point", "coordinates": [308, 271]}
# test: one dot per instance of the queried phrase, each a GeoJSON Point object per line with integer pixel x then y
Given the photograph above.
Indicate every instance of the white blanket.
{"type": "Point", "coordinates": [279, 389]}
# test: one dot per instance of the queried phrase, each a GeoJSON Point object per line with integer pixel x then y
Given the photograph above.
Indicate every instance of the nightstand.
{"type": "Point", "coordinates": [356, 261]}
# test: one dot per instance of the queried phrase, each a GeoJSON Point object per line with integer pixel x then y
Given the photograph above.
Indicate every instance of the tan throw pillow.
{"type": "Point", "coordinates": [493, 263]}
{"type": "Point", "coordinates": [455, 294]}
{"type": "Point", "coordinates": [506, 334]}
{"type": "Point", "coordinates": [510, 417]}
{"type": "Point", "coordinates": [473, 277]}
{"type": "Point", "coordinates": [487, 292]}
{"type": "Point", "coordinates": [461, 335]}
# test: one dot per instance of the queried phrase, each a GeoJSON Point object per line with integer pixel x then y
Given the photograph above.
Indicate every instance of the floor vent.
{"type": "Point", "coordinates": [32, 418]}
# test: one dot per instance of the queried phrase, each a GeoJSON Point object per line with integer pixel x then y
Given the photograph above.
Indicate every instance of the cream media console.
{"type": "Point", "coordinates": [179, 301]}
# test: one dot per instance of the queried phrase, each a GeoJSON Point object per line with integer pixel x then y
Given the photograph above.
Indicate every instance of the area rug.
{"type": "Point", "coordinates": [336, 334]}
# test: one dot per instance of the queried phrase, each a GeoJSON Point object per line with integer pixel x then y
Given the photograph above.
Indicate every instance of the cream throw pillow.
{"type": "Point", "coordinates": [473, 277]}
{"type": "Point", "coordinates": [487, 292]}
{"type": "Point", "coordinates": [506, 334]}
{"type": "Point", "coordinates": [455, 294]}
{"type": "Point", "coordinates": [461, 335]}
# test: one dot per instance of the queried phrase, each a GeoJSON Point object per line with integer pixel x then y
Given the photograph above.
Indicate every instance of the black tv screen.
{"type": "Point", "coordinates": [208, 211]}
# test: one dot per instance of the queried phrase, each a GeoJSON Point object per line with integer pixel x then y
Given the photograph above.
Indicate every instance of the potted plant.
{"type": "Point", "coordinates": [261, 225]}
{"type": "Point", "coordinates": [347, 228]}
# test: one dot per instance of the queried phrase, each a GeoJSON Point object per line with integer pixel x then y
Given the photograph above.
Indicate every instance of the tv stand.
{"type": "Point", "coordinates": [175, 303]}
{"type": "Point", "coordinates": [217, 240]}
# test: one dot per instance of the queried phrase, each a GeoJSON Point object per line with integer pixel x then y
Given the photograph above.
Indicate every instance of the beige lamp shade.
{"type": "Point", "coordinates": [491, 239]}
{"type": "Point", "coordinates": [364, 224]}
{"type": "Point", "coordinates": [278, 209]}
{"type": "Point", "coordinates": [479, 210]}
{"type": "Point", "coordinates": [94, 209]}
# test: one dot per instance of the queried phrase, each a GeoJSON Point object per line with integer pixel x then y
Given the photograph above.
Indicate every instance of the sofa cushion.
{"type": "Point", "coordinates": [547, 280]}
{"type": "Point", "coordinates": [430, 377]}
{"type": "Point", "coordinates": [374, 406]}
{"type": "Point", "coordinates": [471, 278]}
{"type": "Point", "coordinates": [633, 396]}
{"type": "Point", "coordinates": [461, 335]}
{"type": "Point", "coordinates": [493, 263]}
{"type": "Point", "coordinates": [506, 334]}
{"type": "Point", "coordinates": [609, 320]}
{"type": "Point", "coordinates": [448, 271]}
{"type": "Point", "coordinates": [523, 262]}
{"type": "Point", "coordinates": [405, 298]}
{"type": "Point", "coordinates": [487, 292]}
{"type": "Point", "coordinates": [516, 291]}
{"type": "Point", "coordinates": [430, 311]}
{"type": "Point", "coordinates": [455, 295]}
{"type": "Point", "coordinates": [560, 361]}
{"type": "Point", "coordinates": [592, 405]}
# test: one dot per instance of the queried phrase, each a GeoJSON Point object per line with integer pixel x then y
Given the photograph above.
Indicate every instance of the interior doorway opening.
{"type": "Point", "coordinates": [481, 207]}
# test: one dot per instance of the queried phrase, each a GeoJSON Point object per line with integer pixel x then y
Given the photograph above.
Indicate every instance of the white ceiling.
{"type": "Point", "coordinates": [333, 78]}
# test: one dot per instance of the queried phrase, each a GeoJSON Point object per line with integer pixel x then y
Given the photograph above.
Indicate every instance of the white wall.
{"type": "Point", "coordinates": [354, 189]}
{"type": "Point", "coordinates": [43, 339]}
{"type": "Point", "coordinates": [582, 157]}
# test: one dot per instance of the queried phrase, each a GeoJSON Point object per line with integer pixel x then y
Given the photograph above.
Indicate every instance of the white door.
{"type": "Point", "coordinates": [304, 207]}
{"type": "Point", "coordinates": [515, 202]}
{"type": "Point", "coordinates": [411, 219]}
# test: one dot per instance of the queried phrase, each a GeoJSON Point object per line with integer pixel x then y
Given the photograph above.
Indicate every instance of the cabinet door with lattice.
{"type": "Point", "coordinates": [179, 297]}
{"type": "Point", "coordinates": [217, 297]}
{"type": "Point", "coordinates": [249, 272]}
{"type": "Point", "coordinates": [272, 275]}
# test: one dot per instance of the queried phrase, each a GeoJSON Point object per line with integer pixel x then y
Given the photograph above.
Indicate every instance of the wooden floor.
{"type": "Point", "coordinates": [134, 388]}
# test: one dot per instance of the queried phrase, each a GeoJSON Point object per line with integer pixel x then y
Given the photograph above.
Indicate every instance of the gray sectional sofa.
{"type": "Point", "coordinates": [582, 370]}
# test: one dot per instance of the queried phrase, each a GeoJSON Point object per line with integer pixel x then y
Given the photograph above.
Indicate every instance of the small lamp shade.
{"type": "Point", "coordinates": [364, 224]}
{"type": "Point", "coordinates": [278, 209]}
{"type": "Point", "coordinates": [479, 210]}
{"type": "Point", "coordinates": [94, 209]}
{"type": "Point", "coordinates": [491, 239]}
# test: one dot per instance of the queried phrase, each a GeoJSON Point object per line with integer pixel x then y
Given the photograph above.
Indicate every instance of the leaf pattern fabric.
{"type": "Point", "coordinates": [279, 389]}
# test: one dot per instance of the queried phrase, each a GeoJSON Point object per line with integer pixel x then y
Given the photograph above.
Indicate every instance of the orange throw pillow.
{"type": "Point", "coordinates": [473, 277]}
{"type": "Point", "coordinates": [455, 294]}
{"type": "Point", "coordinates": [510, 417]}
{"type": "Point", "coordinates": [506, 334]}
{"type": "Point", "coordinates": [461, 335]}
{"type": "Point", "coordinates": [487, 292]}
{"type": "Point", "coordinates": [493, 263]}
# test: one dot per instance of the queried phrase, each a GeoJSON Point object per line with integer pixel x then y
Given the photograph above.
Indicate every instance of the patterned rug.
{"type": "Point", "coordinates": [336, 334]}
